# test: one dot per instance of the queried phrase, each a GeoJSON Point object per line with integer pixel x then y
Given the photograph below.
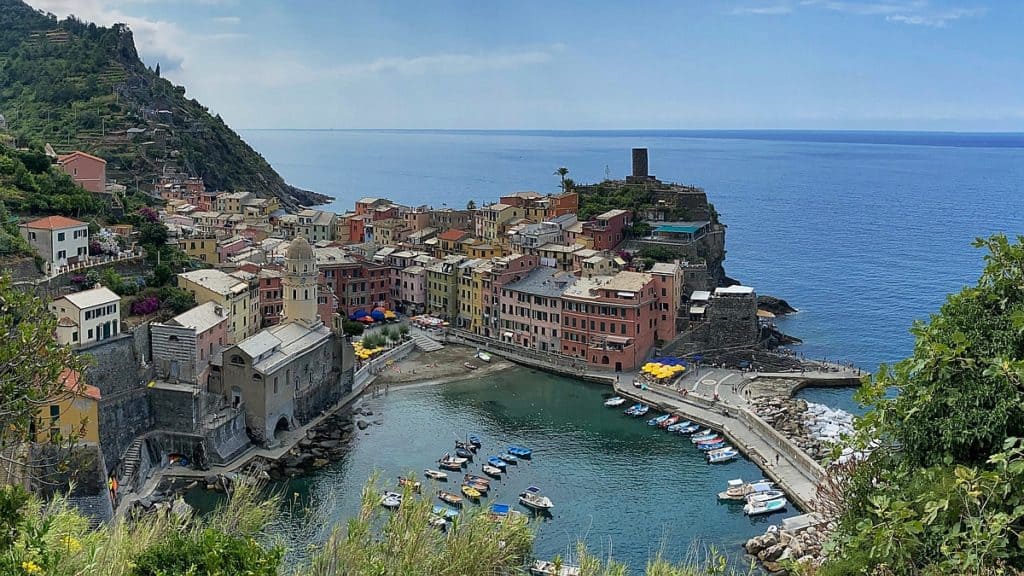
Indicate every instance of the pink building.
{"type": "Point", "coordinates": [668, 288]}
{"type": "Point", "coordinates": [610, 322]}
{"type": "Point", "coordinates": [608, 229]}
{"type": "Point", "coordinates": [531, 309]}
{"type": "Point", "coordinates": [412, 290]}
{"type": "Point", "coordinates": [183, 346]}
{"type": "Point", "coordinates": [271, 296]}
{"type": "Point", "coordinates": [88, 171]}
{"type": "Point", "coordinates": [228, 247]}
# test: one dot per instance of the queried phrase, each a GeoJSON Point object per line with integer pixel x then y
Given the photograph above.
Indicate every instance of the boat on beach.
{"type": "Point", "coordinates": [469, 366]}
{"type": "Point", "coordinates": [520, 452]}
{"type": "Point", "coordinates": [546, 568]}
{"type": "Point", "coordinates": [435, 474]}
{"type": "Point", "coordinates": [497, 463]}
{"type": "Point", "coordinates": [657, 420]}
{"type": "Point", "coordinates": [767, 507]}
{"type": "Point", "coordinates": [391, 500]}
{"type": "Point", "coordinates": [492, 471]}
{"type": "Point", "coordinates": [532, 498]}
{"type": "Point", "coordinates": [483, 356]}
{"type": "Point", "coordinates": [615, 401]}
{"type": "Point", "coordinates": [449, 498]}
{"type": "Point", "coordinates": [671, 420]}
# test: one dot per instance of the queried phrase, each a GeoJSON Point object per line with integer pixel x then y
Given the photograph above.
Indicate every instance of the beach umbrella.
{"type": "Point", "coordinates": [360, 314]}
{"type": "Point", "coordinates": [366, 319]}
{"type": "Point", "coordinates": [377, 314]}
{"type": "Point", "coordinates": [389, 314]}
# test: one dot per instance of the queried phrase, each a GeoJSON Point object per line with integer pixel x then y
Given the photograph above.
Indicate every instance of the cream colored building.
{"type": "Point", "coordinates": [231, 293]}
{"type": "Point", "coordinates": [87, 316]}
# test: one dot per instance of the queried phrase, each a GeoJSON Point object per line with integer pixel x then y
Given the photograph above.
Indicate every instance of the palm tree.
{"type": "Point", "coordinates": [568, 185]}
{"type": "Point", "coordinates": [561, 173]}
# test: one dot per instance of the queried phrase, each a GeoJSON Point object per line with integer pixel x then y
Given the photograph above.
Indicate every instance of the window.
{"type": "Point", "coordinates": [54, 412]}
{"type": "Point", "coordinates": [90, 333]}
{"type": "Point", "coordinates": [60, 236]}
{"type": "Point", "coordinates": [74, 336]}
{"type": "Point", "coordinates": [236, 359]}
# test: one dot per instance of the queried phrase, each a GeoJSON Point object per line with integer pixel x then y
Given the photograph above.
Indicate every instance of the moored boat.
{"type": "Point", "coordinates": [657, 420]}
{"type": "Point", "coordinates": [463, 453]}
{"type": "Point", "coordinates": [391, 500]}
{"type": "Point", "coordinates": [449, 498]}
{"type": "Point", "coordinates": [448, 464]}
{"type": "Point", "coordinates": [445, 512]}
{"type": "Point", "coordinates": [722, 456]}
{"type": "Point", "coordinates": [532, 498]}
{"type": "Point", "coordinates": [708, 447]}
{"type": "Point", "coordinates": [475, 478]}
{"type": "Point", "coordinates": [765, 507]}
{"type": "Point", "coordinates": [509, 458]}
{"type": "Point", "coordinates": [497, 463]}
{"type": "Point", "coordinates": [615, 401]}
{"type": "Point", "coordinates": [483, 356]}
{"type": "Point", "coordinates": [644, 409]}
{"type": "Point", "coordinates": [469, 366]}
{"type": "Point", "coordinates": [669, 421]}
{"type": "Point", "coordinates": [520, 452]}
{"type": "Point", "coordinates": [410, 483]}
{"type": "Point", "coordinates": [738, 490]}
{"type": "Point", "coordinates": [492, 471]}
{"type": "Point", "coordinates": [632, 409]}
{"type": "Point", "coordinates": [687, 430]}
{"type": "Point", "coordinates": [546, 568]}
{"type": "Point", "coordinates": [679, 426]}
{"type": "Point", "coordinates": [713, 440]}
{"type": "Point", "coordinates": [470, 492]}
{"type": "Point", "coordinates": [474, 440]}
{"type": "Point", "coordinates": [466, 446]}
{"type": "Point", "coordinates": [762, 497]}
{"type": "Point", "coordinates": [435, 474]}
{"type": "Point", "coordinates": [703, 435]}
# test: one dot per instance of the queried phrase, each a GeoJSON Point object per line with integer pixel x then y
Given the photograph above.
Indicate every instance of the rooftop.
{"type": "Point", "coordinates": [54, 223]}
{"type": "Point", "coordinates": [368, 200]}
{"type": "Point", "coordinates": [93, 297]}
{"type": "Point", "coordinates": [216, 281]}
{"type": "Point", "coordinates": [453, 235]}
{"type": "Point", "coordinates": [552, 247]}
{"type": "Point", "coordinates": [201, 318]}
{"type": "Point", "coordinates": [611, 214]}
{"type": "Point", "coordinates": [543, 281]}
{"type": "Point", "coordinates": [78, 154]}
{"type": "Point", "coordinates": [680, 227]}
{"type": "Point", "coordinates": [700, 296]}
{"type": "Point", "coordinates": [735, 290]}
{"type": "Point", "coordinates": [664, 268]}
{"type": "Point", "coordinates": [73, 383]}
{"type": "Point", "coordinates": [628, 281]}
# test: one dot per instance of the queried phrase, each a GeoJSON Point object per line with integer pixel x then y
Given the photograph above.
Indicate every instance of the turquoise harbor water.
{"type": "Point", "coordinates": [618, 484]}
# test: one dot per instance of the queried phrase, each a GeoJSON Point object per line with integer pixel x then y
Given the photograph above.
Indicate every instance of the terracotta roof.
{"type": "Point", "coordinates": [453, 234]}
{"type": "Point", "coordinates": [73, 383]}
{"type": "Point", "coordinates": [54, 223]}
{"type": "Point", "coordinates": [65, 157]}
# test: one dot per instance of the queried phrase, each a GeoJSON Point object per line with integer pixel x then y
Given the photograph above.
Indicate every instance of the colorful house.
{"type": "Point", "coordinates": [88, 171]}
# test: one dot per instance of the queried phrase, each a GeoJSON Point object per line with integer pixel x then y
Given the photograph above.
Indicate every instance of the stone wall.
{"type": "Point", "coordinates": [733, 321]}
{"type": "Point", "coordinates": [175, 407]}
{"type": "Point", "coordinates": [83, 469]}
{"type": "Point", "coordinates": [227, 439]}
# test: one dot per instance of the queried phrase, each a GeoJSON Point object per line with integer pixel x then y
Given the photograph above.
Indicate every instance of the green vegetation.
{"type": "Point", "coordinates": [611, 195]}
{"type": "Point", "coordinates": [11, 242]}
{"type": "Point", "coordinates": [942, 491]}
{"type": "Point", "coordinates": [352, 328]}
{"type": "Point", "coordinates": [29, 184]}
{"type": "Point", "coordinates": [83, 85]}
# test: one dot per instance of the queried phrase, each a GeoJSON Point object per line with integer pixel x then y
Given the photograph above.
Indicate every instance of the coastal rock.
{"type": "Point", "coordinates": [775, 305]}
{"type": "Point", "coordinates": [362, 424]}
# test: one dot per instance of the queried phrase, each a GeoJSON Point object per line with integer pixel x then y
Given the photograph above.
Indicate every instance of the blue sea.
{"type": "Point", "coordinates": [864, 232]}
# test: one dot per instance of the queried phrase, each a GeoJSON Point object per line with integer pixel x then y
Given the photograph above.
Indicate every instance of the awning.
{"type": "Point", "coordinates": [697, 309]}
{"type": "Point", "coordinates": [618, 339]}
{"type": "Point", "coordinates": [508, 334]}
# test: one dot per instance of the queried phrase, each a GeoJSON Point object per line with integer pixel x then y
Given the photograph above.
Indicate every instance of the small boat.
{"type": "Point", "coordinates": [707, 447]}
{"type": "Point", "coordinates": [724, 456]}
{"type": "Point", "coordinates": [463, 453]}
{"type": "Point", "coordinates": [509, 459]}
{"type": "Point", "coordinates": [448, 464]}
{"type": "Point", "coordinates": [449, 498]}
{"type": "Point", "coordinates": [438, 522]}
{"type": "Point", "coordinates": [454, 459]}
{"type": "Point", "coordinates": [615, 401]}
{"type": "Point", "coordinates": [657, 420]}
{"type": "Point", "coordinates": [478, 486]}
{"type": "Point", "coordinates": [483, 356]}
{"type": "Point", "coordinates": [470, 492]}
{"type": "Point", "coordinates": [532, 498]}
{"type": "Point", "coordinates": [391, 500]}
{"type": "Point", "coordinates": [687, 430]}
{"type": "Point", "coordinates": [435, 474]}
{"type": "Point", "coordinates": [669, 421]}
{"type": "Point", "coordinates": [644, 409]}
{"type": "Point", "coordinates": [545, 568]}
{"type": "Point", "coordinates": [496, 463]}
{"type": "Point", "coordinates": [632, 409]}
{"type": "Point", "coordinates": [764, 507]}
{"type": "Point", "coordinates": [738, 490]}
{"type": "Point", "coordinates": [409, 482]}
{"type": "Point", "coordinates": [505, 511]}
{"type": "Point", "coordinates": [703, 435]}
{"type": "Point", "coordinates": [469, 366]}
{"type": "Point", "coordinates": [679, 426]}
{"type": "Point", "coordinates": [492, 471]}
{"type": "Point", "coordinates": [762, 497]}
{"type": "Point", "coordinates": [474, 440]}
{"type": "Point", "coordinates": [500, 509]}
{"type": "Point", "coordinates": [466, 446]}
{"type": "Point", "coordinates": [445, 512]}
{"type": "Point", "coordinates": [520, 452]}
{"type": "Point", "coordinates": [710, 453]}
{"type": "Point", "coordinates": [475, 478]}
{"type": "Point", "coordinates": [713, 440]}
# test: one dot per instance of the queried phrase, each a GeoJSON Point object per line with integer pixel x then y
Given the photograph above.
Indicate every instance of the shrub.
{"type": "Point", "coordinates": [352, 328]}
{"type": "Point", "coordinates": [145, 305]}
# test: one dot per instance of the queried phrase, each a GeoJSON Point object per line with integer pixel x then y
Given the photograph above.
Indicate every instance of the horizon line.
{"type": "Point", "coordinates": [634, 130]}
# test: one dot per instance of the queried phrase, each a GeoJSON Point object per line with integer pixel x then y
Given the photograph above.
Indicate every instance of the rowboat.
{"type": "Point", "coordinates": [520, 452]}
{"type": "Point", "coordinates": [509, 459]}
{"type": "Point", "coordinates": [644, 409]}
{"type": "Point", "coordinates": [492, 471]}
{"type": "Point", "coordinates": [466, 446]}
{"type": "Point", "coordinates": [723, 456]}
{"type": "Point", "coordinates": [545, 568]}
{"type": "Point", "coordinates": [469, 366]}
{"type": "Point", "coordinates": [738, 490]}
{"type": "Point", "coordinates": [470, 492]}
{"type": "Point", "coordinates": [440, 515]}
{"type": "Point", "coordinates": [475, 478]}
{"type": "Point", "coordinates": [615, 401]}
{"type": "Point", "coordinates": [762, 497]}
{"type": "Point", "coordinates": [435, 474]}
{"type": "Point", "coordinates": [448, 464]}
{"type": "Point", "coordinates": [478, 486]}
{"type": "Point", "coordinates": [497, 463]}
{"type": "Point", "coordinates": [657, 420]}
{"type": "Point", "coordinates": [449, 498]}
{"type": "Point", "coordinates": [713, 440]}
{"type": "Point", "coordinates": [703, 435]}
{"type": "Point", "coordinates": [707, 447]}
{"type": "Point", "coordinates": [632, 409]}
{"type": "Point", "coordinates": [686, 430]}
{"type": "Point", "coordinates": [474, 440]}
{"type": "Point", "coordinates": [410, 483]}
{"type": "Point", "coordinates": [391, 500]}
{"type": "Point", "coordinates": [669, 421]}
{"type": "Point", "coordinates": [764, 507]}
{"type": "Point", "coordinates": [438, 522]}
{"type": "Point", "coordinates": [455, 459]}
{"type": "Point", "coordinates": [483, 356]}
{"type": "Point", "coordinates": [463, 453]}
{"type": "Point", "coordinates": [679, 426]}
{"type": "Point", "coordinates": [710, 453]}
{"type": "Point", "coordinates": [532, 498]}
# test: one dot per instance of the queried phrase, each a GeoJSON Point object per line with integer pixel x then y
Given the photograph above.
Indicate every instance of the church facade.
{"type": "Point", "coordinates": [286, 375]}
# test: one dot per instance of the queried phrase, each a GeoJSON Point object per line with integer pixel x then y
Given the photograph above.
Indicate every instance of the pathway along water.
{"type": "Point", "coordinates": [618, 484]}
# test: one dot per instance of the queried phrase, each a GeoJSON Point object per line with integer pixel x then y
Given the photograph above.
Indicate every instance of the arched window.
{"type": "Point", "coordinates": [236, 359]}
{"type": "Point", "coordinates": [257, 377]}
{"type": "Point", "coordinates": [295, 294]}
{"type": "Point", "coordinates": [307, 295]}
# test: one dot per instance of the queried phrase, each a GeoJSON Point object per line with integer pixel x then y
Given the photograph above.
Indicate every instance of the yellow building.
{"type": "Point", "coordinates": [494, 219]}
{"type": "Point", "coordinates": [236, 296]}
{"type": "Point", "coordinates": [482, 250]}
{"type": "Point", "coordinates": [442, 287]}
{"type": "Point", "coordinates": [75, 414]}
{"type": "Point", "coordinates": [470, 290]}
{"type": "Point", "coordinates": [202, 248]}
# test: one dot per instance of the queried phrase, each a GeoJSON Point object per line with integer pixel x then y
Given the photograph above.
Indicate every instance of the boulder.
{"type": "Point", "coordinates": [320, 462]}
{"type": "Point", "coordinates": [362, 424]}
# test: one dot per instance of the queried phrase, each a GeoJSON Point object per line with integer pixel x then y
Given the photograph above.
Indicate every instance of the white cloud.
{"type": "Point", "coordinates": [914, 12]}
{"type": "Point", "coordinates": [765, 10]}
{"type": "Point", "coordinates": [227, 19]}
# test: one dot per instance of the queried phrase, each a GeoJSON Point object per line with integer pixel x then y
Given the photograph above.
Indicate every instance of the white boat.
{"type": "Point", "coordinates": [391, 500]}
{"type": "Point", "coordinates": [435, 474]}
{"type": "Point", "coordinates": [762, 497]}
{"type": "Point", "coordinates": [483, 356]}
{"type": "Point", "coordinates": [615, 401]}
{"type": "Point", "coordinates": [722, 457]}
{"type": "Point", "coordinates": [532, 498]}
{"type": "Point", "coordinates": [546, 568]}
{"type": "Point", "coordinates": [764, 507]}
{"type": "Point", "coordinates": [738, 490]}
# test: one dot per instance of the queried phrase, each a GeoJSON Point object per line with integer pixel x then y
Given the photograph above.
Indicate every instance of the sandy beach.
{"type": "Point", "coordinates": [445, 365]}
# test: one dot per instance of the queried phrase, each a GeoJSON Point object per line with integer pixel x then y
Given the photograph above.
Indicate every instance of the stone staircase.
{"type": "Point", "coordinates": [426, 344]}
{"type": "Point", "coordinates": [132, 459]}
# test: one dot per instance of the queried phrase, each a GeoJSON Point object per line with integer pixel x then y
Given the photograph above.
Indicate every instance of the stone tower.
{"type": "Point", "coordinates": [299, 283]}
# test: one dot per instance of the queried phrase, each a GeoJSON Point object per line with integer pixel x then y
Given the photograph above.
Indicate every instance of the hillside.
{"type": "Point", "coordinates": [80, 86]}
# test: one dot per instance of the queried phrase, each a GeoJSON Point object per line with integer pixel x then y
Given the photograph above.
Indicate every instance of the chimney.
{"type": "Point", "coordinates": [218, 310]}
{"type": "Point", "coordinates": [639, 164]}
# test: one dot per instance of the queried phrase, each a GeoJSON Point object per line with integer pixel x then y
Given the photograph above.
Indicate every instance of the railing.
{"type": "Point", "coordinates": [93, 261]}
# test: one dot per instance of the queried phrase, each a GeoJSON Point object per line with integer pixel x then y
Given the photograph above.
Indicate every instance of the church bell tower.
{"type": "Point", "coordinates": [300, 283]}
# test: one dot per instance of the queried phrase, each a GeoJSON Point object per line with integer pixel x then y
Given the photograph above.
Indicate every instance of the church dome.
{"type": "Point", "coordinates": [299, 249]}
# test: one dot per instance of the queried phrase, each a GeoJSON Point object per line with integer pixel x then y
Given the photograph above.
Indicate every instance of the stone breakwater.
{"type": "Point", "coordinates": [812, 427]}
{"type": "Point", "coordinates": [777, 547]}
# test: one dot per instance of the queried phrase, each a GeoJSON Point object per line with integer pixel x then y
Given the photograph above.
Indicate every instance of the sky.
{"type": "Point", "coordinates": [952, 65]}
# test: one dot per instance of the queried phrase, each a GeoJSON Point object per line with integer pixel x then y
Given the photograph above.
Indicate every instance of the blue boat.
{"type": "Point", "coordinates": [445, 512]}
{"type": "Point", "coordinates": [463, 453]}
{"type": "Point", "coordinates": [688, 429]}
{"type": "Point", "coordinates": [715, 446]}
{"type": "Point", "coordinates": [520, 451]}
{"type": "Point", "coordinates": [679, 426]}
{"type": "Point", "coordinates": [724, 456]}
{"type": "Point", "coordinates": [500, 509]}
{"type": "Point", "coordinates": [474, 440]}
{"type": "Point", "coordinates": [658, 420]}
{"type": "Point", "coordinates": [509, 458]}
{"type": "Point", "coordinates": [497, 462]}
{"type": "Point", "coordinates": [703, 436]}
{"type": "Point", "coordinates": [632, 409]}
{"type": "Point", "coordinates": [643, 410]}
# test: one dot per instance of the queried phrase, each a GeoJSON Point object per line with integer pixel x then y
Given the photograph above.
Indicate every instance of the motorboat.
{"type": "Point", "coordinates": [546, 568]}
{"type": "Point", "coordinates": [463, 453]}
{"type": "Point", "coordinates": [738, 489]}
{"type": "Point", "coordinates": [509, 458]}
{"type": "Point", "coordinates": [483, 356]}
{"type": "Point", "coordinates": [520, 452]}
{"type": "Point", "coordinates": [720, 457]}
{"type": "Point", "coordinates": [435, 474]}
{"type": "Point", "coordinates": [644, 409]}
{"type": "Point", "coordinates": [669, 421]}
{"type": "Point", "coordinates": [449, 498]}
{"type": "Point", "coordinates": [532, 498]}
{"type": "Point", "coordinates": [657, 420]}
{"type": "Point", "coordinates": [492, 471]}
{"type": "Point", "coordinates": [409, 483]}
{"type": "Point", "coordinates": [470, 492]}
{"type": "Point", "coordinates": [615, 401]}
{"type": "Point", "coordinates": [469, 366]}
{"type": "Point", "coordinates": [632, 409]}
{"type": "Point", "coordinates": [475, 478]}
{"type": "Point", "coordinates": [678, 426]}
{"type": "Point", "coordinates": [708, 447]}
{"type": "Point", "coordinates": [767, 507]}
{"type": "Point", "coordinates": [762, 497]}
{"type": "Point", "coordinates": [497, 463]}
{"type": "Point", "coordinates": [391, 500]}
{"type": "Point", "coordinates": [474, 440]}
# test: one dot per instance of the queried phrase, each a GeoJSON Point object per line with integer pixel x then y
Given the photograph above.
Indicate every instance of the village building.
{"type": "Point", "coordinates": [531, 309]}
{"type": "Point", "coordinates": [74, 413]}
{"type": "Point", "coordinates": [608, 230]}
{"type": "Point", "coordinates": [231, 293]}
{"type": "Point", "coordinates": [184, 345]}
{"type": "Point", "coordinates": [442, 287]}
{"type": "Point", "coordinates": [88, 171]}
{"type": "Point", "coordinates": [87, 317]}
{"type": "Point", "coordinates": [58, 240]}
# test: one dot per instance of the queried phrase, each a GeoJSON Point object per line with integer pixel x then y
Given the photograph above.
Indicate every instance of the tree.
{"type": "Point", "coordinates": [562, 172]}
{"type": "Point", "coordinates": [471, 205]}
{"type": "Point", "coordinates": [352, 328]}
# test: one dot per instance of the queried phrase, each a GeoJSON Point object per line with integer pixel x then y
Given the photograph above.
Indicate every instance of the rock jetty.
{"type": "Point", "coordinates": [799, 540]}
{"type": "Point", "coordinates": [323, 444]}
